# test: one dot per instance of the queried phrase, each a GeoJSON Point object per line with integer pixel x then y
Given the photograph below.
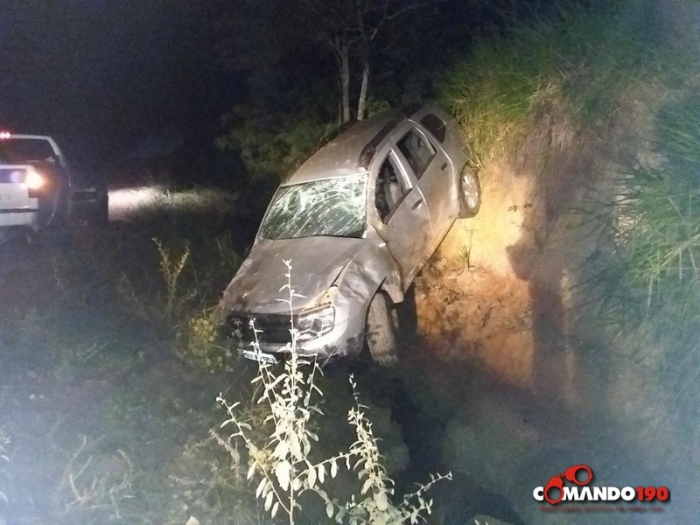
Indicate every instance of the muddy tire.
{"type": "Point", "coordinates": [381, 331]}
{"type": "Point", "coordinates": [469, 193]}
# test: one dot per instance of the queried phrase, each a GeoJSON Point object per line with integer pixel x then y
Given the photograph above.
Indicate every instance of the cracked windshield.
{"type": "Point", "coordinates": [331, 207]}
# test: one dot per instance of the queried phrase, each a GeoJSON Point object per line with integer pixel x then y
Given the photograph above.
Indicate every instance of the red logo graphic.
{"type": "Point", "coordinates": [571, 474]}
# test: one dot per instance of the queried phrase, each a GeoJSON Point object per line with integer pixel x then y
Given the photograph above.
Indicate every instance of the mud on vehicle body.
{"type": "Point", "coordinates": [357, 221]}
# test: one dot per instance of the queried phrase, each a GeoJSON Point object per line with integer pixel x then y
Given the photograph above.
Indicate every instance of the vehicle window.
{"type": "Point", "coordinates": [418, 151]}
{"type": "Point", "coordinates": [390, 188]}
{"type": "Point", "coordinates": [17, 151]}
{"type": "Point", "coordinates": [331, 207]}
{"type": "Point", "coordinates": [435, 125]}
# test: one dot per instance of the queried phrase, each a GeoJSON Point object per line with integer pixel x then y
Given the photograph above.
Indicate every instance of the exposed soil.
{"type": "Point", "coordinates": [523, 383]}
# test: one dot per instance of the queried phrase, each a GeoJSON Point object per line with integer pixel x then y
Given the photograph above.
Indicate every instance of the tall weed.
{"type": "Point", "coordinates": [281, 448]}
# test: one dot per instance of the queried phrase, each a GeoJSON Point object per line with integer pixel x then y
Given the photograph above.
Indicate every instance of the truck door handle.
{"type": "Point", "coordinates": [444, 166]}
{"type": "Point", "coordinates": [417, 204]}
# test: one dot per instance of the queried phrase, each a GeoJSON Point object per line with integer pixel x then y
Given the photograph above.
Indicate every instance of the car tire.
{"type": "Point", "coordinates": [381, 331]}
{"type": "Point", "coordinates": [469, 193]}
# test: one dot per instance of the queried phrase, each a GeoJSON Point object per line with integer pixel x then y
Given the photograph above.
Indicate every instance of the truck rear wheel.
{"type": "Point", "coordinates": [381, 331]}
{"type": "Point", "coordinates": [469, 193]}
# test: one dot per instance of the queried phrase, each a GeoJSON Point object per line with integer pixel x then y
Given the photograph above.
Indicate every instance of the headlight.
{"type": "Point", "coordinates": [34, 180]}
{"type": "Point", "coordinates": [314, 324]}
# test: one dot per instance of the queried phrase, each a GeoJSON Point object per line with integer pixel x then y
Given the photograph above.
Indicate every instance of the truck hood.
{"type": "Point", "coordinates": [315, 262]}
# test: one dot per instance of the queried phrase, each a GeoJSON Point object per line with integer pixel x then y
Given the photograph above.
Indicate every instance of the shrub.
{"type": "Point", "coordinates": [270, 145]}
{"type": "Point", "coordinates": [586, 58]}
{"type": "Point", "coordinates": [280, 450]}
{"type": "Point", "coordinates": [199, 344]}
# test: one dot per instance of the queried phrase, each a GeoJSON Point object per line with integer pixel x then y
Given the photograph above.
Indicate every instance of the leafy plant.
{"type": "Point", "coordinates": [271, 145]}
{"type": "Point", "coordinates": [377, 487]}
{"type": "Point", "coordinates": [165, 306]}
{"type": "Point", "coordinates": [283, 460]}
{"type": "Point", "coordinates": [171, 268]}
{"type": "Point", "coordinates": [199, 342]}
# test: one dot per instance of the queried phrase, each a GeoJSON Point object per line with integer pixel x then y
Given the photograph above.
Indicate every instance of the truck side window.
{"type": "Point", "coordinates": [435, 125]}
{"type": "Point", "coordinates": [417, 150]}
{"type": "Point", "coordinates": [389, 188]}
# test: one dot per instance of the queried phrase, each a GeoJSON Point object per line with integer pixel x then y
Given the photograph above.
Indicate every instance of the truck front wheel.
{"type": "Point", "coordinates": [381, 331]}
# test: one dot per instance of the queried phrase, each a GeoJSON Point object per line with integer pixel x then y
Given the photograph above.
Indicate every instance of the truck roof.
{"type": "Point", "coordinates": [343, 154]}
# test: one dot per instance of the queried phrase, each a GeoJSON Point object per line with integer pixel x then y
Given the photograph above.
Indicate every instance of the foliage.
{"type": "Point", "coordinates": [163, 307]}
{"type": "Point", "coordinates": [624, 75]}
{"type": "Point", "coordinates": [187, 281]}
{"type": "Point", "coordinates": [289, 62]}
{"type": "Point", "coordinates": [271, 143]}
{"type": "Point", "coordinates": [208, 484]}
{"type": "Point", "coordinates": [283, 457]}
{"type": "Point", "coordinates": [588, 59]}
{"type": "Point", "coordinates": [377, 507]}
{"type": "Point", "coordinates": [663, 239]}
{"type": "Point", "coordinates": [77, 359]}
{"type": "Point", "coordinates": [591, 60]}
{"type": "Point", "coordinates": [200, 346]}
{"type": "Point", "coordinates": [171, 268]}
{"type": "Point", "coordinates": [657, 231]}
{"type": "Point", "coordinates": [166, 209]}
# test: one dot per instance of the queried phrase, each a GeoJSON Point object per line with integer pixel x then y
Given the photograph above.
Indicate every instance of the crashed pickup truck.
{"type": "Point", "coordinates": [37, 188]}
{"type": "Point", "coordinates": [357, 221]}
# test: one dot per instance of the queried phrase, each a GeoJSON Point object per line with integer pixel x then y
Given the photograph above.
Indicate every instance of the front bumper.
{"type": "Point", "coordinates": [345, 339]}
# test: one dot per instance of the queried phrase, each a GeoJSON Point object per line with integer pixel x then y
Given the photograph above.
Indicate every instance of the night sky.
{"type": "Point", "coordinates": [116, 81]}
{"type": "Point", "coordinates": [111, 79]}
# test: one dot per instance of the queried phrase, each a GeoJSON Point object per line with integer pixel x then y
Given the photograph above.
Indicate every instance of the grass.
{"type": "Point", "coordinates": [109, 395]}
{"type": "Point", "coordinates": [661, 243]}
{"type": "Point", "coordinates": [101, 392]}
{"type": "Point", "coordinates": [620, 77]}
{"type": "Point", "coordinates": [589, 60]}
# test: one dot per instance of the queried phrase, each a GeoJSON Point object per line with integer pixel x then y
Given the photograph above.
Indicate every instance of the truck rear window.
{"type": "Point", "coordinates": [435, 125]}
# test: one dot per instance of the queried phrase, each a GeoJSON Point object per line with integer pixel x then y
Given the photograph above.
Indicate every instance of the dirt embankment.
{"type": "Point", "coordinates": [507, 329]}
{"type": "Point", "coordinates": [501, 293]}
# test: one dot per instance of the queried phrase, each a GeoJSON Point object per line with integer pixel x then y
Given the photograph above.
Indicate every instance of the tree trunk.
{"type": "Point", "coordinates": [344, 55]}
{"type": "Point", "coordinates": [362, 101]}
